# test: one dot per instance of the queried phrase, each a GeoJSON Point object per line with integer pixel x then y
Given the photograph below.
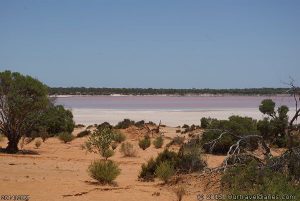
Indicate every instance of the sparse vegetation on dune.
{"type": "Point", "coordinates": [83, 133]}
{"type": "Point", "coordinates": [158, 142]}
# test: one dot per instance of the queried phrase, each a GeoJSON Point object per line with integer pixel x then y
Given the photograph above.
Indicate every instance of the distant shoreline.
{"type": "Point", "coordinates": [169, 95]}
{"type": "Point", "coordinates": [91, 91]}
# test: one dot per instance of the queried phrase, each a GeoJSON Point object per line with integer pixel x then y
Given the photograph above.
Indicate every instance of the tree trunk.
{"type": "Point", "coordinates": [12, 145]}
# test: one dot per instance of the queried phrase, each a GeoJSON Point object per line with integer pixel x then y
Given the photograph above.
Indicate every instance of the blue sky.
{"type": "Point", "coordinates": [157, 43]}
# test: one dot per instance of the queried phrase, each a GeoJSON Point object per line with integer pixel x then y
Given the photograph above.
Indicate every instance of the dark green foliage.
{"type": "Point", "coordinates": [145, 143]}
{"type": "Point", "coordinates": [185, 126]}
{"type": "Point", "coordinates": [24, 99]}
{"type": "Point", "coordinates": [234, 126]}
{"type": "Point", "coordinates": [254, 179]}
{"type": "Point", "coordinates": [140, 124]}
{"type": "Point", "coordinates": [204, 122]}
{"type": "Point", "coordinates": [104, 171]}
{"type": "Point", "coordinates": [118, 136]}
{"type": "Point", "coordinates": [164, 171]}
{"type": "Point", "coordinates": [158, 142]}
{"type": "Point", "coordinates": [126, 123]}
{"type": "Point", "coordinates": [148, 170]}
{"type": "Point", "coordinates": [187, 160]}
{"type": "Point", "coordinates": [103, 126]}
{"type": "Point", "coordinates": [57, 119]}
{"type": "Point", "coordinates": [65, 137]}
{"type": "Point", "coordinates": [84, 133]}
{"type": "Point", "coordinates": [273, 128]}
{"type": "Point", "coordinates": [190, 158]}
{"type": "Point", "coordinates": [267, 106]}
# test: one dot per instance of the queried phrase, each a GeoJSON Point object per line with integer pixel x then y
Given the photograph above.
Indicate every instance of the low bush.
{"type": "Point", "coordinates": [145, 143]}
{"type": "Point", "coordinates": [79, 126]}
{"type": "Point", "coordinates": [83, 133]}
{"type": "Point", "coordinates": [221, 146]}
{"type": "Point", "coordinates": [187, 160]}
{"type": "Point", "coordinates": [104, 125]}
{"type": "Point", "coordinates": [104, 171]}
{"type": "Point", "coordinates": [114, 145]}
{"type": "Point", "coordinates": [89, 127]}
{"type": "Point", "coordinates": [190, 159]}
{"type": "Point", "coordinates": [124, 124]}
{"type": "Point", "coordinates": [127, 149]}
{"type": "Point", "coordinates": [65, 137]}
{"type": "Point", "coordinates": [148, 170]}
{"type": "Point", "coordinates": [140, 124]}
{"type": "Point", "coordinates": [158, 142]}
{"type": "Point", "coordinates": [37, 143]}
{"type": "Point", "coordinates": [118, 136]}
{"type": "Point", "coordinates": [165, 170]}
{"type": "Point", "coordinates": [256, 180]}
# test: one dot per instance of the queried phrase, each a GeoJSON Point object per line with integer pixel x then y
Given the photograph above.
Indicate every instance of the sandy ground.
{"type": "Point", "coordinates": [59, 172]}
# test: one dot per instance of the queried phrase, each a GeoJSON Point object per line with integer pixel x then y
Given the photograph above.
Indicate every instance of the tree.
{"type": "Point", "coordinates": [21, 99]}
{"type": "Point", "coordinates": [99, 142]}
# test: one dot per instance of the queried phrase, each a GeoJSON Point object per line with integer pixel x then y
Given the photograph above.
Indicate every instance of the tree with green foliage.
{"type": "Point", "coordinates": [22, 100]}
{"type": "Point", "coordinates": [100, 142]}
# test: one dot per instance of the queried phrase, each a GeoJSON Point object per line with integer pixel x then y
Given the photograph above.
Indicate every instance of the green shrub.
{"type": "Point", "coordinates": [104, 171]}
{"type": "Point", "coordinates": [254, 179]}
{"type": "Point", "coordinates": [65, 137]}
{"type": "Point", "coordinates": [107, 153]}
{"type": "Point", "coordinates": [189, 159]}
{"type": "Point", "coordinates": [221, 146]}
{"type": "Point", "coordinates": [145, 143]}
{"type": "Point", "coordinates": [164, 171]}
{"type": "Point", "coordinates": [104, 125]}
{"type": "Point", "coordinates": [100, 142]}
{"type": "Point", "coordinates": [148, 170]}
{"type": "Point", "coordinates": [127, 149]}
{"type": "Point", "coordinates": [118, 136]}
{"type": "Point", "coordinates": [140, 124]}
{"type": "Point", "coordinates": [158, 142]}
{"type": "Point", "coordinates": [37, 143]}
{"type": "Point", "coordinates": [83, 133]}
{"type": "Point", "coordinates": [124, 124]}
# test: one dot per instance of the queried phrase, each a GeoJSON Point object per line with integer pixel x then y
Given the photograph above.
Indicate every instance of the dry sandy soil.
{"type": "Point", "coordinates": [59, 172]}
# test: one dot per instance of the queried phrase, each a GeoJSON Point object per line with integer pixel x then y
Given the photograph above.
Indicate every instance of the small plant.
{"type": "Point", "coordinates": [37, 143]}
{"type": "Point", "coordinates": [158, 142]}
{"type": "Point", "coordinates": [65, 137]}
{"type": "Point", "coordinates": [104, 171]}
{"type": "Point", "coordinates": [145, 143]}
{"type": "Point", "coordinates": [79, 126]}
{"type": "Point", "coordinates": [124, 124]}
{"type": "Point", "coordinates": [165, 171]}
{"type": "Point", "coordinates": [104, 125]}
{"type": "Point", "coordinates": [100, 142]}
{"type": "Point", "coordinates": [84, 133]}
{"type": "Point", "coordinates": [180, 192]}
{"type": "Point", "coordinates": [127, 149]}
{"type": "Point", "coordinates": [114, 145]}
{"type": "Point", "coordinates": [118, 136]}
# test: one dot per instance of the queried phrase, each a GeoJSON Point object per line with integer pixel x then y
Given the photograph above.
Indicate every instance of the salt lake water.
{"type": "Point", "coordinates": [171, 110]}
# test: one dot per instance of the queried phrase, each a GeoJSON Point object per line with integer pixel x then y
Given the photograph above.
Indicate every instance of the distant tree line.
{"type": "Point", "coordinates": [162, 91]}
